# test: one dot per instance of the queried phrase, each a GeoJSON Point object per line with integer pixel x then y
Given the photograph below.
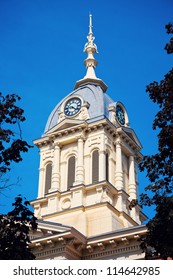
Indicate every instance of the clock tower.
{"type": "Point", "coordinates": [88, 179]}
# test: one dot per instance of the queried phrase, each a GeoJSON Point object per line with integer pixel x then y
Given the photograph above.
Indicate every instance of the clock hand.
{"type": "Point", "coordinates": [71, 107]}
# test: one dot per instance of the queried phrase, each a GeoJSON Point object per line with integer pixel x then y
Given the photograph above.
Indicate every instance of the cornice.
{"type": "Point", "coordinates": [49, 139]}
{"type": "Point", "coordinates": [103, 252]}
{"type": "Point", "coordinates": [111, 244]}
{"type": "Point", "coordinates": [118, 234]}
{"type": "Point", "coordinates": [114, 243]}
{"type": "Point", "coordinates": [71, 134]}
{"type": "Point", "coordinates": [83, 127]}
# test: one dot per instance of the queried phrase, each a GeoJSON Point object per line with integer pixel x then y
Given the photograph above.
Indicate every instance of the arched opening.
{"type": "Point", "coordinates": [48, 177]}
{"type": "Point", "coordinates": [107, 166]}
{"type": "Point", "coordinates": [71, 171]}
{"type": "Point", "coordinates": [95, 167]}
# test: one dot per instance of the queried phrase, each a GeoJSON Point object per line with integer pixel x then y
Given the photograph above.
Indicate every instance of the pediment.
{"type": "Point", "coordinates": [130, 132]}
{"type": "Point", "coordinates": [46, 229]}
{"type": "Point", "coordinates": [65, 124]}
{"type": "Point", "coordinates": [52, 226]}
{"type": "Point", "coordinates": [53, 231]}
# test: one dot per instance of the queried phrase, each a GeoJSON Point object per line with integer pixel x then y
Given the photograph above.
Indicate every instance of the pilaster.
{"type": "Point", "coordinates": [102, 160]}
{"type": "Point", "coordinates": [56, 168]}
{"type": "Point", "coordinates": [41, 177]}
{"type": "Point", "coordinates": [132, 186]}
{"type": "Point", "coordinates": [80, 162]}
{"type": "Point", "coordinates": [118, 168]}
{"type": "Point", "coordinates": [132, 181]}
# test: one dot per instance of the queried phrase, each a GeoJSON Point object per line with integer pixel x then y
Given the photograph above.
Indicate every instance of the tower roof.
{"type": "Point", "coordinates": [90, 62]}
{"type": "Point", "coordinates": [90, 93]}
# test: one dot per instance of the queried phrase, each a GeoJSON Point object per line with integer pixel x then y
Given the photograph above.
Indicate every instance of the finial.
{"type": "Point", "coordinates": [90, 62]}
{"type": "Point", "coordinates": [90, 37]}
{"type": "Point", "coordinates": [90, 26]}
{"type": "Point", "coordinates": [90, 48]}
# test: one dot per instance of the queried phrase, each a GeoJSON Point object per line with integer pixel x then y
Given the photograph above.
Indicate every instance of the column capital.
{"type": "Point", "coordinates": [102, 152]}
{"type": "Point", "coordinates": [81, 137]}
{"type": "Point", "coordinates": [131, 157]}
{"type": "Point", "coordinates": [57, 145]}
{"type": "Point", "coordinates": [118, 142]}
{"type": "Point", "coordinates": [41, 168]}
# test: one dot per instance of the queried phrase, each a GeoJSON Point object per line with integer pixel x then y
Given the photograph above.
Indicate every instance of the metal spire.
{"type": "Point", "coordinates": [90, 48]}
{"type": "Point", "coordinates": [90, 62]}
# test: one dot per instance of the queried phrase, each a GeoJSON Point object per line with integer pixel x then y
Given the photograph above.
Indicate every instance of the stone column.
{"type": "Point", "coordinates": [119, 168]}
{"type": "Point", "coordinates": [132, 181]}
{"type": "Point", "coordinates": [41, 184]}
{"type": "Point", "coordinates": [102, 160]}
{"type": "Point", "coordinates": [56, 169]}
{"type": "Point", "coordinates": [80, 162]}
{"type": "Point", "coordinates": [132, 187]}
{"type": "Point", "coordinates": [88, 171]}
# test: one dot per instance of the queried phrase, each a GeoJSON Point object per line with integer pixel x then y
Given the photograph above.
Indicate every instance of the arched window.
{"type": "Point", "coordinates": [71, 171]}
{"type": "Point", "coordinates": [107, 166]}
{"type": "Point", "coordinates": [95, 167]}
{"type": "Point", "coordinates": [48, 177]}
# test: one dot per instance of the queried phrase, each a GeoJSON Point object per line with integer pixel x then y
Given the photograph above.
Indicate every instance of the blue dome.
{"type": "Point", "coordinates": [92, 94]}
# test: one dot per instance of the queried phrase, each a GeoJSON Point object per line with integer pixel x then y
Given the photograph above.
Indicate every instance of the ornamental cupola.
{"type": "Point", "coordinates": [89, 157]}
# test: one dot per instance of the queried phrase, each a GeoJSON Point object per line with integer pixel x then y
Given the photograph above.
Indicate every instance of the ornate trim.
{"type": "Point", "coordinates": [113, 252]}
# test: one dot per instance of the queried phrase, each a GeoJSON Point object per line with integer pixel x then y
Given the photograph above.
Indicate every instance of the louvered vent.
{"type": "Point", "coordinates": [71, 172]}
{"type": "Point", "coordinates": [107, 166]}
{"type": "Point", "coordinates": [95, 167]}
{"type": "Point", "coordinates": [48, 177]}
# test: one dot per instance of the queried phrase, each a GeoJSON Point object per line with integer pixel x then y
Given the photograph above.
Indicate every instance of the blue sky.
{"type": "Point", "coordinates": [41, 58]}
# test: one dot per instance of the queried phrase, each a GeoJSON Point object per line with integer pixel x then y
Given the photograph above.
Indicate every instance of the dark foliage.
{"type": "Point", "coordinates": [169, 46]}
{"type": "Point", "coordinates": [159, 167]}
{"type": "Point", "coordinates": [15, 226]}
{"type": "Point", "coordinates": [11, 143]}
{"type": "Point", "coordinates": [14, 232]}
{"type": "Point", "coordinates": [159, 241]}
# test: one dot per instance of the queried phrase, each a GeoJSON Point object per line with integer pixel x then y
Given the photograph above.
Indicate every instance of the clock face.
{"type": "Point", "coordinates": [120, 115]}
{"type": "Point", "coordinates": [72, 106]}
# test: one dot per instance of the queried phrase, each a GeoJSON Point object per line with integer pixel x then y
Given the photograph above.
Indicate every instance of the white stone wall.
{"type": "Point", "coordinates": [63, 205]}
